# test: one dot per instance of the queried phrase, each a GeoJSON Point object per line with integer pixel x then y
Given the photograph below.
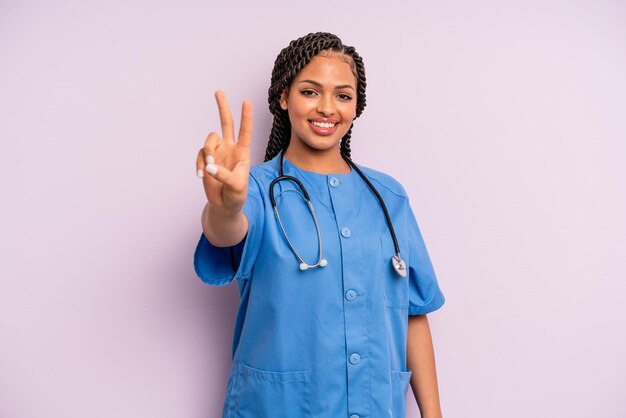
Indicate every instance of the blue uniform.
{"type": "Point", "coordinates": [325, 342]}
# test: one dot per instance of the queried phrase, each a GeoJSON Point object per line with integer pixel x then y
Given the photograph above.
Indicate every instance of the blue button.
{"type": "Point", "coordinates": [346, 232]}
{"type": "Point", "coordinates": [354, 416]}
{"type": "Point", "coordinates": [350, 294]}
{"type": "Point", "coordinates": [355, 358]}
{"type": "Point", "coordinates": [334, 181]}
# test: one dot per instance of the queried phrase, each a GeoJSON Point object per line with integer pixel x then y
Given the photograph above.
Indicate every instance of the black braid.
{"type": "Point", "coordinates": [289, 62]}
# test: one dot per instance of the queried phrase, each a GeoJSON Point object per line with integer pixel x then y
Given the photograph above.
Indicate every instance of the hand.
{"type": "Point", "coordinates": [224, 164]}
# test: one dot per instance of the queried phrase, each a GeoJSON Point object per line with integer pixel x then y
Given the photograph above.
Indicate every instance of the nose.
{"type": "Point", "coordinates": [326, 105]}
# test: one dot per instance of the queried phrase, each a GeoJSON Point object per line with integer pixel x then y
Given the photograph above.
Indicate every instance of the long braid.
{"type": "Point", "coordinates": [289, 62]}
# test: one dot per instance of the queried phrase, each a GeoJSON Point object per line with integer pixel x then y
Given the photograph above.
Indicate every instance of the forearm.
{"type": "Point", "coordinates": [421, 360]}
{"type": "Point", "coordinates": [223, 229]}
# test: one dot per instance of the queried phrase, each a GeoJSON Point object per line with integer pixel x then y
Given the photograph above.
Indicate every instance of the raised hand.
{"type": "Point", "coordinates": [224, 164]}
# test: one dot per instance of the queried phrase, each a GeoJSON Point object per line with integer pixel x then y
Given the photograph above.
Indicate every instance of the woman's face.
{"type": "Point", "coordinates": [321, 103]}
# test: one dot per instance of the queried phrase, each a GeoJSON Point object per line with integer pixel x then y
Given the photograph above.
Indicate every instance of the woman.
{"type": "Point", "coordinates": [334, 296]}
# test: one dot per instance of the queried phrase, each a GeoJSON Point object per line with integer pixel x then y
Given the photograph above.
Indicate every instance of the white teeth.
{"type": "Point", "coordinates": [323, 124]}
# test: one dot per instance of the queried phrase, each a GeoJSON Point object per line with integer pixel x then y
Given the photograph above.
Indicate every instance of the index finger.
{"type": "Point", "coordinates": [245, 129]}
{"type": "Point", "coordinates": [226, 119]}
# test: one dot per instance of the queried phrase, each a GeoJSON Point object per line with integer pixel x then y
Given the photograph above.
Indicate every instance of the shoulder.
{"type": "Point", "coordinates": [264, 173]}
{"type": "Point", "coordinates": [380, 179]}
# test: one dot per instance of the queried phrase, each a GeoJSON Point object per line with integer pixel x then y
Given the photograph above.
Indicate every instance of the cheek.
{"type": "Point", "coordinates": [349, 112]}
{"type": "Point", "coordinates": [296, 114]}
{"type": "Point", "coordinates": [299, 108]}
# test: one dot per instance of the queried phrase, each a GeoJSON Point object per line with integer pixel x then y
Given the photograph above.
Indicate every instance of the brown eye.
{"type": "Point", "coordinates": [345, 97]}
{"type": "Point", "coordinates": [307, 93]}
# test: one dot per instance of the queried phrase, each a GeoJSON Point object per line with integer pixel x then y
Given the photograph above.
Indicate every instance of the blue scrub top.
{"type": "Point", "coordinates": [331, 341]}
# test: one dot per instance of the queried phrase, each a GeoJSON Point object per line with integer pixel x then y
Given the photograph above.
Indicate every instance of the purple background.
{"type": "Point", "coordinates": [503, 120]}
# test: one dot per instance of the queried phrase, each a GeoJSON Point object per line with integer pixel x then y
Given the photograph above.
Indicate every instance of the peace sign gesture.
{"type": "Point", "coordinates": [224, 164]}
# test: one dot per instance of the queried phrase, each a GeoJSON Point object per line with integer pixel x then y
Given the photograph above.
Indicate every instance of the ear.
{"type": "Point", "coordinates": [283, 99]}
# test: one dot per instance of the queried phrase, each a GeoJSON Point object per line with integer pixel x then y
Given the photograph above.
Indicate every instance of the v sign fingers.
{"type": "Point", "coordinates": [226, 163]}
{"type": "Point", "coordinates": [226, 119]}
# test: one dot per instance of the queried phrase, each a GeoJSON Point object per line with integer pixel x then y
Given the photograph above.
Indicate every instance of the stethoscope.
{"type": "Point", "coordinates": [397, 262]}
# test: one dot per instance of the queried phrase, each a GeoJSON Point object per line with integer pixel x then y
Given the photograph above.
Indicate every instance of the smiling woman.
{"type": "Point", "coordinates": [321, 105]}
{"type": "Point", "coordinates": [333, 338]}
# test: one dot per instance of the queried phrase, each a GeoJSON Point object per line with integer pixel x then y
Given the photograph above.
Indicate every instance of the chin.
{"type": "Point", "coordinates": [323, 143]}
{"type": "Point", "coordinates": [322, 146]}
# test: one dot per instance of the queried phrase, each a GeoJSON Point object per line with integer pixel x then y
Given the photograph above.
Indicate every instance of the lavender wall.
{"type": "Point", "coordinates": [504, 121]}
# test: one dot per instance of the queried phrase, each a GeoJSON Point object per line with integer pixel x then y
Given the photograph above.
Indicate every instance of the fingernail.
{"type": "Point", "coordinates": [200, 173]}
{"type": "Point", "coordinates": [210, 159]}
{"type": "Point", "coordinates": [211, 169]}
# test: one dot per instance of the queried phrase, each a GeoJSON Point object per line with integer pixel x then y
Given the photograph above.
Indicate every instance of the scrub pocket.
{"type": "Point", "coordinates": [400, 381]}
{"type": "Point", "coordinates": [270, 394]}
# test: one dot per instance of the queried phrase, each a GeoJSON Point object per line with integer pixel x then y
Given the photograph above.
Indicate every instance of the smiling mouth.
{"type": "Point", "coordinates": [325, 125]}
{"type": "Point", "coordinates": [323, 128]}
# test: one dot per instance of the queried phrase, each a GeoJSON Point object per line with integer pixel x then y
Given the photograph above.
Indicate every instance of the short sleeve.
{"type": "Point", "coordinates": [424, 293]}
{"type": "Point", "coordinates": [219, 266]}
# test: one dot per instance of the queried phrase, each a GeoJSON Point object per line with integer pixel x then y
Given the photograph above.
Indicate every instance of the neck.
{"type": "Point", "coordinates": [327, 161]}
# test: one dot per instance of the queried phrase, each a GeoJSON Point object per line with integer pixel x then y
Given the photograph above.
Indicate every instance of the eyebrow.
{"type": "Point", "coordinates": [315, 83]}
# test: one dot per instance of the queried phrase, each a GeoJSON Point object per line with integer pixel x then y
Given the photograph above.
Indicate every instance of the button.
{"type": "Point", "coordinates": [354, 416]}
{"type": "Point", "coordinates": [355, 358]}
{"type": "Point", "coordinates": [350, 294]}
{"type": "Point", "coordinates": [346, 232]}
{"type": "Point", "coordinates": [334, 181]}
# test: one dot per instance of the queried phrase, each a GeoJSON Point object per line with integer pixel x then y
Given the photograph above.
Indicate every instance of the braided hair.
{"type": "Point", "coordinates": [289, 62]}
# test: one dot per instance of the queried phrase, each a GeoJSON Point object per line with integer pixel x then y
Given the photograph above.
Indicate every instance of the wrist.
{"type": "Point", "coordinates": [221, 212]}
{"type": "Point", "coordinates": [223, 228]}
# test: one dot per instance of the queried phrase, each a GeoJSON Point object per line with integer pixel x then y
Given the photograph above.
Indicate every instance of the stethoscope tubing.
{"type": "Point", "coordinates": [397, 262]}
{"type": "Point", "coordinates": [380, 200]}
{"type": "Point", "coordinates": [303, 265]}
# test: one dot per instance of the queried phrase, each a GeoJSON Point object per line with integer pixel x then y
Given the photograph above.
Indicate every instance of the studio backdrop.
{"type": "Point", "coordinates": [504, 121]}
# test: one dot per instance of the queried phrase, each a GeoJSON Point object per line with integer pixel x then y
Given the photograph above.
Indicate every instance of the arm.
{"type": "Point", "coordinates": [223, 228]}
{"type": "Point", "coordinates": [227, 164]}
{"type": "Point", "coordinates": [421, 360]}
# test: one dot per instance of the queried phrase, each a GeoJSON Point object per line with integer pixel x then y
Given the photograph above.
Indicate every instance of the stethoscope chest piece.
{"type": "Point", "coordinates": [399, 265]}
